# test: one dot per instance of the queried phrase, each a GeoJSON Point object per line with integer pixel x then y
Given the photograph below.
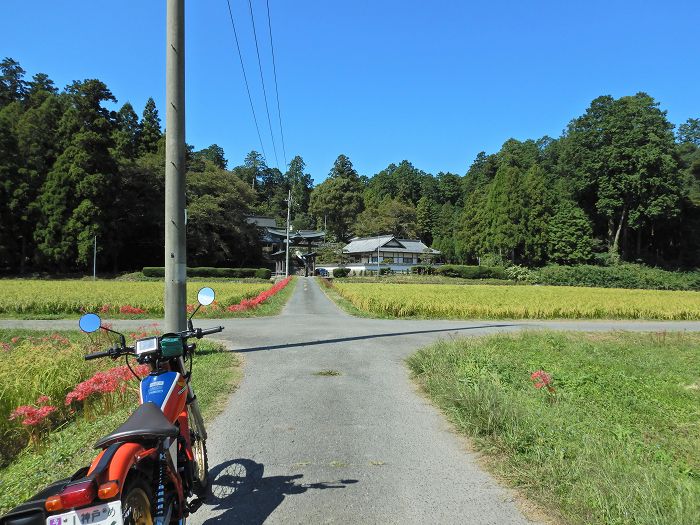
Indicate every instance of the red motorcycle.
{"type": "Point", "coordinates": [153, 468]}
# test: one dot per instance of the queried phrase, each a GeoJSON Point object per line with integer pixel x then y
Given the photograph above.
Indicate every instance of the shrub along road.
{"type": "Point", "coordinates": [328, 427]}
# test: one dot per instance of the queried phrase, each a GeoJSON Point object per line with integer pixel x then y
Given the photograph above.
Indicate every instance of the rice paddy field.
{"type": "Point", "coordinates": [436, 301]}
{"type": "Point", "coordinates": [117, 298]}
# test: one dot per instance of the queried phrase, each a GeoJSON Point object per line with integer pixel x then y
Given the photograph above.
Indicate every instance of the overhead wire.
{"type": "Point", "coordinates": [262, 80]}
{"type": "Point", "coordinates": [245, 78]}
{"type": "Point", "coordinates": [277, 93]}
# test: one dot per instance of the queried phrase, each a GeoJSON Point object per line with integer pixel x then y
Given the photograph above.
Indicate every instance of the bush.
{"type": "Point", "coordinates": [341, 272]}
{"type": "Point", "coordinates": [421, 269]}
{"type": "Point", "coordinates": [471, 272]}
{"type": "Point", "coordinates": [263, 273]}
{"type": "Point", "coordinates": [619, 276]}
{"type": "Point", "coordinates": [207, 271]}
{"type": "Point", "coordinates": [386, 271]}
{"type": "Point", "coordinates": [520, 273]}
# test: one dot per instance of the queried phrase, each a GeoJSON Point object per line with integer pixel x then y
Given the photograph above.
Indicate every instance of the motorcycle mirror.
{"type": "Point", "coordinates": [90, 323]}
{"type": "Point", "coordinates": [205, 296]}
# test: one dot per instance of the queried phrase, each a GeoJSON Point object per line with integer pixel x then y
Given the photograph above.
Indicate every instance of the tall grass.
{"type": "Point", "coordinates": [519, 302]}
{"type": "Point", "coordinates": [619, 444]}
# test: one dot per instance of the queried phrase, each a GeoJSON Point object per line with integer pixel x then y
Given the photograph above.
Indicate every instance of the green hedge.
{"type": "Point", "coordinates": [619, 276]}
{"type": "Point", "coordinates": [421, 269]}
{"type": "Point", "coordinates": [471, 272]}
{"type": "Point", "coordinates": [207, 271]}
{"type": "Point", "coordinates": [341, 272]}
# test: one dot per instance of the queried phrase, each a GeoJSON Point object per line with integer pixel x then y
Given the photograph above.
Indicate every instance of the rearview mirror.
{"type": "Point", "coordinates": [90, 323]}
{"type": "Point", "coordinates": [205, 296]}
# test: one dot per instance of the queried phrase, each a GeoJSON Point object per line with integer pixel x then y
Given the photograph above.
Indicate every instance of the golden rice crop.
{"type": "Point", "coordinates": [519, 302]}
{"type": "Point", "coordinates": [73, 297]}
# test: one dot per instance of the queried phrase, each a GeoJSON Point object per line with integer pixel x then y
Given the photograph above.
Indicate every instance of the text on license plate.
{"type": "Point", "coordinates": [109, 513]}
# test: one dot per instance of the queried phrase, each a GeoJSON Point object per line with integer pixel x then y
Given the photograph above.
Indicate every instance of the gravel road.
{"type": "Point", "coordinates": [294, 445]}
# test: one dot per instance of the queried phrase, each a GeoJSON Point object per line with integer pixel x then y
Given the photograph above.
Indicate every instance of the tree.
{"type": "Point", "coordinates": [126, 133]}
{"type": "Point", "coordinates": [213, 154]}
{"type": "Point", "coordinates": [337, 201]}
{"type": "Point", "coordinates": [218, 233]}
{"type": "Point", "coordinates": [427, 215]}
{"type": "Point", "coordinates": [689, 132]}
{"type": "Point", "coordinates": [150, 132]}
{"type": "Point", "coordinates": [504, 213]}
{"type": "Point", "coordinates": [76, 197]}
{"type": "Point", "coordinates": [569, 235]}
{"type": "Point", "coordinates": [537, 214]}
{"type": "Point", "coordinates": [301, 185]}
{"type": "Point", "coordinates": [393, 217]}
{"type": "Point", "coordinates": [12, 84]}
{"type": "Point", "coordinates": [449, 187]}
{"type": "Point", "coordinates": [621, 154]}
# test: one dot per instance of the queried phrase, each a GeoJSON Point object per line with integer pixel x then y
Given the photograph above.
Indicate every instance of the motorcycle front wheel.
{"type": "Point", "coordinates": [200, 468]}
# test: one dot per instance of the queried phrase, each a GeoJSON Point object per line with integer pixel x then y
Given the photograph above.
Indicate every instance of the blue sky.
{"type": "Point", "coordinates": [434, 82]}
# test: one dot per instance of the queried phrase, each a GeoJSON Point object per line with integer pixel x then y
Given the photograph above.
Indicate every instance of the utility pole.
{"type": "Point", "coordinates": [379, 245]}
{"type": "Point", "coordinates": [175, 251]}
{"type": "Point", "coordinates": [94, 260]}
{"type": "Point", "coordinates": [289, 205]}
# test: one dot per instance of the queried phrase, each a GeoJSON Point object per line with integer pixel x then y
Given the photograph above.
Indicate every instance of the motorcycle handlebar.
{"type": "Point", "coordinates": [97, 355]}
{"type": "Point", "coordinates": [207, 331]}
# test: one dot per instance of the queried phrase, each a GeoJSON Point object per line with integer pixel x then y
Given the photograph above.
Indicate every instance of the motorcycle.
{"type": "Point", "coordinates": [153, 468]}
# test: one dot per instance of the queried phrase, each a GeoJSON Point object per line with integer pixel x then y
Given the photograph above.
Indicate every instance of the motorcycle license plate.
{"type": "Point", "coordinates": [109, 513]}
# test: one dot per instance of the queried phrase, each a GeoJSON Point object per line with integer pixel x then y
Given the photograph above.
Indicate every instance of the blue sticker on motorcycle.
{"type": "Point", "coordinates": [157, 388]}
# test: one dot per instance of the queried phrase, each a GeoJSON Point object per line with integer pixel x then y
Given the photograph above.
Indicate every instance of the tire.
{"type": "Point", "coordinates": [137, 503]}
{"type": "Point", "coordinates": [200, 467]}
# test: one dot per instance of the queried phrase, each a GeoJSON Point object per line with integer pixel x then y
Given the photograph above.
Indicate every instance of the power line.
{"type": "Point", "coordinates": [245, 77]}
{"type": "Point", "coordinates": [277, 93]}
{"type": "Point", "coordinates": [262, 79]}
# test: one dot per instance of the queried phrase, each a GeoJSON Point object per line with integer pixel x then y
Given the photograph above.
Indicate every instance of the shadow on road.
{"type": "Point", "coordinates": [240, 490]}
{"type": "Point", "coordinates": [372, 336]}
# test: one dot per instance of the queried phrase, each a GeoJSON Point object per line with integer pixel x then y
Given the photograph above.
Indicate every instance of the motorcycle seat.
{"type": "Point", "coordinates": [147, 423]}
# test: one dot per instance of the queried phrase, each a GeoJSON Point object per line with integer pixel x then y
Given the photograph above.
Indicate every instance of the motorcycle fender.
{"type": "Point", "coordinates": [122, 461]}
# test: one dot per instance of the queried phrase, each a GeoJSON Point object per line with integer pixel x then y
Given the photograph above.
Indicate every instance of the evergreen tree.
{"type": "Point", "coordinates": [75, 199]}
{"type": "Point", "coordinates": [569, 235]}
{"type": "Point", "coordinates": [427, 215]}
{"type": "Point", "coordinates": [337, 201]}
{"type": "Point", "coordinates": [301, 185]}
{"type": "Point", "coordinates": [126, 133]}
{"type": "Point", "coordinates": [504, 213]}
{"type": "Point", "coordinates": [150, 131]}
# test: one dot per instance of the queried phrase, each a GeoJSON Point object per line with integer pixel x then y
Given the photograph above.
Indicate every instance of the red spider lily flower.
{"type": "Point", "coordinates": [42, 400]}
{"type": "Point", "coordinates": [32, 415]}
{"type": "Point", "coordinates": [246, 304]}
{"type": "Point", "coordinates": [5, 347]}
{"type": "Point", "coordinates": [128, 309]}
{"type": "Point", "coordinates": [542, 379]}
{"type": "Point", "coordinates": [14, 340]}
{"type": "Point", "coordinates": [105, 308]}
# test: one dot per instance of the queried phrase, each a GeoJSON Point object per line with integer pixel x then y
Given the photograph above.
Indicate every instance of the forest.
{"type": "Point", "coordinates": [621, 183]}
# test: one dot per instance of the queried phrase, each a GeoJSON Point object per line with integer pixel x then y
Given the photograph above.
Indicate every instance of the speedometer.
{"type": "Point", "coordinates": [146, 346]}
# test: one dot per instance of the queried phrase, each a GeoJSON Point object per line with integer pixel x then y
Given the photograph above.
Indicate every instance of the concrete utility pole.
{"type": "Point", "coordinates": [289, 205]}
{"type": "Point", "coordinates": [94, 260]}
{"type": "Point", "coordinates": [175, 251]}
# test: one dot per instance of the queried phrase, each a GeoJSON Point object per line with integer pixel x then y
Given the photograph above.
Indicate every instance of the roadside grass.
{"type": "Point", "coordinates": [516, 302]}
{"type": "Point", "coordinates": [36, 299]}
{"type": "Point", "coordinates": [617, 442]}
{"type": "Point", "coordinates": [61, 452]}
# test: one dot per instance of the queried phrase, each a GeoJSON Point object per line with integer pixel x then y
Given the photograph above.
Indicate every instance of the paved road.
{"type": "Point", "coordinates": [360, 447]}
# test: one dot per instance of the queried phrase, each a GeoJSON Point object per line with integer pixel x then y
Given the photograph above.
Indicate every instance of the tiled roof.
{"type": "Point", "coordinates": [370, 244]}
